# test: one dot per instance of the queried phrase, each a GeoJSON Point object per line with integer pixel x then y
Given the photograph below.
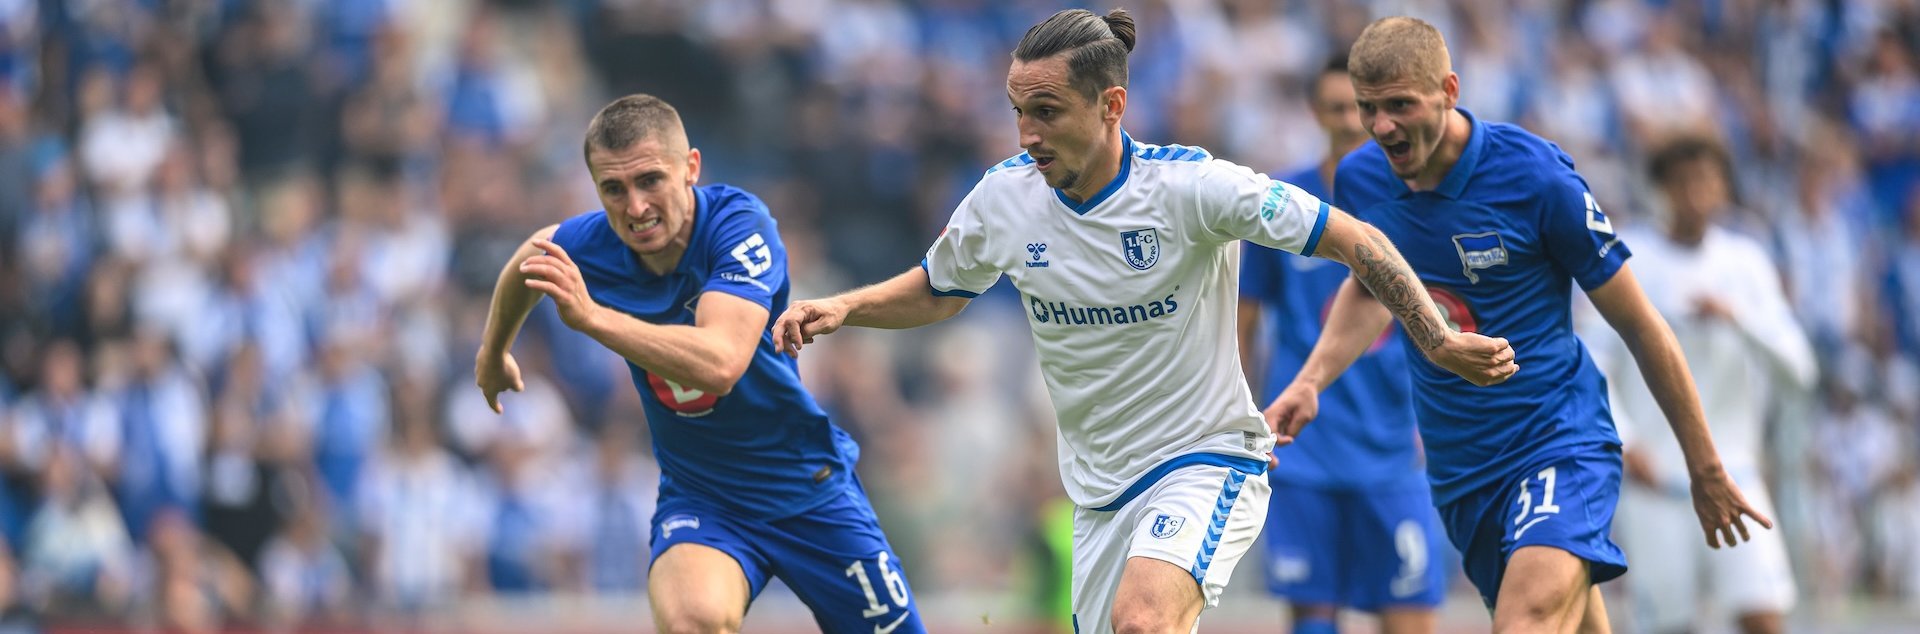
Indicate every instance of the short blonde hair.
{"type": "Point", "coordinates": [1400, 48]}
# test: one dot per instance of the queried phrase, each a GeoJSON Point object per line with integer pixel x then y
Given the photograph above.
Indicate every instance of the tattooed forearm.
{"type": "Point", "coordinates": [1387, 276]}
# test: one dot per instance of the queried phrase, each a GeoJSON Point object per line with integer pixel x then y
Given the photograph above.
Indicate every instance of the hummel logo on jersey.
{"type": "Point", "coordinates": [1068, 315]}
{"type": "Point", "coordinates": [1479, 251]}
{"type": "Point", "coordinates": [1142, 248]}
{"type": "Point", "coordinates": [1038, 250]}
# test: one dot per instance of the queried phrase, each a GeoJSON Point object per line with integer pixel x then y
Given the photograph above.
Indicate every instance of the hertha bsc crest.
{"type": "Point", "coordinates": [1142, 248]}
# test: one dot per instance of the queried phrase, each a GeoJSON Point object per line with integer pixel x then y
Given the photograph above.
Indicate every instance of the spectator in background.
{"type": "Point", "coordinates": [390, 122]}
{"type": "Point", "coordinates": [522, 499]}
{"type": "Point", "coordinates": [55, 250]}
{"type": "Point", "coordinates": [77, 555]}
{"type": "Point", "coordinates": [195, 221]}
{"type": "Point", "coordinates": [1903, 279]}
{"type": "Point", "coordinates": [1661, 87]}
{"type": "Point", "coordinates": [1885, 111]}
{"type": "Point", "coordinates": [350, 416]}
{"type": "Point", "coordinates": [1857, 449]}
{"type": "Point", "coordinates": [419, 523]}
{"type": "Point", "coordinates": [17, 164]}
{"type": "Point", "coordinates": [1721, 293]}
{"type": "Point", "coordinates": [123, 144]}
{"type": "Point", "coordinates": [250, 464]}
{"type": "Point", "coordinates": [304, 578]}
{"type": "Point", "coordinates": [267, 90]}
{"type": "Point", "coordinates": [190, 583]}
{"type": "Point", "coordinates": [60, 413]}
{"type": "Point", "coordinates": [163, 427]}
{"type": "Point", "coordinates": [615, 509]}
{"type": "Point", "coordinates": [1819, 241]}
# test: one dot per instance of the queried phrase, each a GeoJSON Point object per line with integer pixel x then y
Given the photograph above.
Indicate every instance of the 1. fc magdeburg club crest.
{"type": "Point", "coordinates": [1142, 248]}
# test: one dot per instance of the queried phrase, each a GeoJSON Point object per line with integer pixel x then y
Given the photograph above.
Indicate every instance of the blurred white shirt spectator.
{"type": "Point", "coordinates": [122, 147]}
{"type": "Point", "coordinates": [423, 521]}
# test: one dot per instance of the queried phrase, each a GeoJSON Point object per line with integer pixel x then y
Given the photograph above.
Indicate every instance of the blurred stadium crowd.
{"type": "Point", "coordinates": [246, 248]}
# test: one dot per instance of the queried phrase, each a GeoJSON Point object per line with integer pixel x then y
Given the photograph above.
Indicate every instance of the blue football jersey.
{"type": "Point", "coordinates": [1364, 436]}
{"type": "Point", "coordinates": [1499, 244]}
{"type": "Point", "coordinates": [766, 449]}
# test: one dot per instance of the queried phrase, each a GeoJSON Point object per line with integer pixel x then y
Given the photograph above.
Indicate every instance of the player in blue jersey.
{"type": "Point", "coordinates": [682, 280]}
{"type": "Point", "coordinates": [1351, 523]}
{"type": "Point", "coordinates": [1499, 226]}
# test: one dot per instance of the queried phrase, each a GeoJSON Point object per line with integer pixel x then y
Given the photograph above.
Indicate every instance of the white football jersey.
{"type": "Point", "coordinates": [1131, 296]}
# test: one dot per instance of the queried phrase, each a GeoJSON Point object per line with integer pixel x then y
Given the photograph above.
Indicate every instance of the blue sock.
{"type": "Point", "coordinates": [1313, 625]}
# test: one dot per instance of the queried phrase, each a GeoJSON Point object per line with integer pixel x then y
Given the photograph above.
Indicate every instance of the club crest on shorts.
{"type": "Point", "coordinates": [1142, 248]}
{"type": "Point", "coordinates": [1165, 525]}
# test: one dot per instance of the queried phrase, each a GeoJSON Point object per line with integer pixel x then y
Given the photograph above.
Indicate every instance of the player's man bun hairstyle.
{"type": "Point", "coordinates": [1399, 48]}
{"type": "Point", "coordinates": [1096, 47]}
{"type": "Point", "coordinates": [632, 119]}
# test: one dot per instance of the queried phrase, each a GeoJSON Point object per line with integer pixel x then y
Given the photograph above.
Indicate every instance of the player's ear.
{"type": "Point", "coordinates": [693, 166]}
{"type": "Point", "coordinates": [1113, 102]}
{"type": "Point", "coordinates": [1450, 85]}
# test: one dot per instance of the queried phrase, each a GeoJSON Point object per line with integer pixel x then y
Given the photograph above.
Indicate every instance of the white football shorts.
{"type": "Point", "coordinates": [1202, 518]}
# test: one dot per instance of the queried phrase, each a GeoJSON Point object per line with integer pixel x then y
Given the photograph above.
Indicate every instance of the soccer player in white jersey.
{"type": "Point", "coordinates": [1124, 253]}
{"type": "Point", "coordinates": [1722, 295]}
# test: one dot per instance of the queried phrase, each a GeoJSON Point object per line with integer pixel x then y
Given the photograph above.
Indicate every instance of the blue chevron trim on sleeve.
{"type": "Point", "coordinates": [1022, 159]}
{"type": "Point", "coordinates": [1169, 152]}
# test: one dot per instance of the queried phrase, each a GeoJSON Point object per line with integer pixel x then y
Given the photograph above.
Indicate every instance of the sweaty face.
{"type": "Point", "coordinates": [647, 191]}
{"type": "Point", "coordinates": [1407, 117]}
{"type": "Point", "coordinates": [1336, 113]}
{"type": "Point", "coordinates": [1059, 127]}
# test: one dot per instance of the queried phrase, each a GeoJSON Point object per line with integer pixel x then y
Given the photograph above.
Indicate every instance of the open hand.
{"type": "Point", "coordinates": [1720, 506]}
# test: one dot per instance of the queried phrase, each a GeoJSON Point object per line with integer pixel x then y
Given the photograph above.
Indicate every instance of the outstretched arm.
{"type": "Point", "coordinates": [1353, 323]}
{"type": "Point", "coordinates": [1381, 287]}
{"type": "Point", "coordinates": [1716, 500]}
{"type": "Point", "coordinates": [1378, 267]}
{"type": "Point", "coordinates": [494, 369]}
{"type": "Point", "coordinates": [906, 301]}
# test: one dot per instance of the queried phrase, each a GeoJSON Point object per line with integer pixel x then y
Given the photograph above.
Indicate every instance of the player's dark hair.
{"type": "Point", "coordinates": [1096, 47]}
{"type": "Point", "coordinates": [631, 119]}
{"type": "Point", "coordinates": [1666, 160]}
{"type": "Point", "coordinates": [1336, 65]}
